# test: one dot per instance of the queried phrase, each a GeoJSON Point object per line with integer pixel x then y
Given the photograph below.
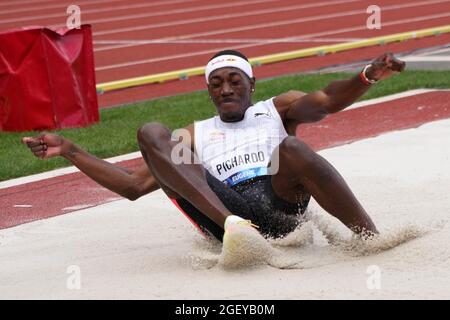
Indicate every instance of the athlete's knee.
{"type": "Point", "coordinates": [297, 152]}
{"type": "Point", "coordinates": [152, 134]}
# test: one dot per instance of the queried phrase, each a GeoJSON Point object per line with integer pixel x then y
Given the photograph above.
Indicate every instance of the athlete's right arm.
{"type": "Point", "coordinates": [130, 184]}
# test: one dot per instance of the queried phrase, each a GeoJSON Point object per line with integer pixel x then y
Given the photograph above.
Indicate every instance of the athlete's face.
{"type": "Point", "coordinates": [231, 91]}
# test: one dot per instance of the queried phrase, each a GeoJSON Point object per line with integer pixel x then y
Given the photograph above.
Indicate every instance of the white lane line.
{"type": "Point", "coordinates": [63, 13]}
{"type": "Point", "coordinates": [391, 97]}
{"type": "Point", "coordinates": [427, 59]}
{"type": "Point", "coordinates": [239, 29]}
{"type": "Point", "coordinates": [307, 36]}
{"type": "Point", "coordinates": [12, 3]}
{"type": "Point", "coordinates": [22, 206]}
{"type": "Point", "coordinates": [221, 17]}
{"type": "Point", "coordinates": [133, 16]}
{"type": "Point", "coordinates": [206, 41]}
{"type": "Point", "coordinates": [279, 23]}
{"type": "Point", "coordinates": [88, 205]}
{"type": "Point", "coordinates": [446, 49]}
{"type": "Point", "coordinates": [179, 11]}
{"type": "Point", "coordinates": [79, 207]}
{"type": "Point", "coordinates": [53, 6]}
{"type": "Point", "coordinates": [135, 155]}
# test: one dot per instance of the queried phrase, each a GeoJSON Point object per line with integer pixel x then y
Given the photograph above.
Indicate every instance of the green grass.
{"type": "Point", "coordinates": [116, 133]}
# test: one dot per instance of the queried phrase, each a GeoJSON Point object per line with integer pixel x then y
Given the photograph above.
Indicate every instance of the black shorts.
{"type": "Point", "coordinates": [252, 199]}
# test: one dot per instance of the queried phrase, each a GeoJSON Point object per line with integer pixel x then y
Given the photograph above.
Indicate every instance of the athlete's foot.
{"type": "Point", "coordinates": [232, 222]}
{"type": "Point", "coordinates": [243, 245]}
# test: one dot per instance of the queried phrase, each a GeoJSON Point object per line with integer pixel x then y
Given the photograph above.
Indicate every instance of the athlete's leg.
{"type": "Point", "coordinates": [300, 166]}
{"type": "Point", "coordinates": [178, 180]}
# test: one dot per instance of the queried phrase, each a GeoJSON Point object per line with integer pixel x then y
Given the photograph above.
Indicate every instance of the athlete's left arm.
{"type": "Point", "coordinates": [296, 107]}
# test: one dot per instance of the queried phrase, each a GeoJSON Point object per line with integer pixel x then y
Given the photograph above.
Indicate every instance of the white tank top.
{"type": "Point", "coordinates": [236, 151]}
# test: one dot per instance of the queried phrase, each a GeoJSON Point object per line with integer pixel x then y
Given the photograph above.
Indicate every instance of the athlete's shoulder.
{"type": "Point", "coordinates": [263, 105]}
{"type": "Point", "coordinates": [287, 98]}
{"type": "Point", "coordinates": [284, 101]}
{"type": "Point", "coordinates": [265, 102]}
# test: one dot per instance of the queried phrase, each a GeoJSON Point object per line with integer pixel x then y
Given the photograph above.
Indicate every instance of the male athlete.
{"type": "Point", "coordinates": [244, 164]}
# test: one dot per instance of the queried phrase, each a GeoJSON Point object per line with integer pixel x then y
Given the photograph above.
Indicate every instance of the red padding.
{"type": "Point", "coordinates": [47, 79]}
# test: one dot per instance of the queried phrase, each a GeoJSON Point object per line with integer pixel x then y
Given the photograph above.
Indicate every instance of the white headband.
{"type": "Point", "coordinates": [228, 61]}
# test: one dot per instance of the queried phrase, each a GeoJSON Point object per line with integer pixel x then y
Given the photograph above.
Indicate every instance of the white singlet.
{"type": "Point", "coordinates": [236, 151]}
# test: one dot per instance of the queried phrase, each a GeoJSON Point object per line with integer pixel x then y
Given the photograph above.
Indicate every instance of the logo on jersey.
{"type": "Point", "coordinates": [262, 114]}
{"type": "Point", "coordinates": [216, 136]}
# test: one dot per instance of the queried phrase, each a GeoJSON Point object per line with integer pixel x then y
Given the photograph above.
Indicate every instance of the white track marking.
{"type": "Point", "coordinates": [446, 49]}
{"type": "Point", "coordinates": [307, 36]}
{"type": "Point", "coordinates": [90, 11]}
{"type": "Point", "coordinates": [266, 11]}
{"type": "Point", "coordinates": [427, 59]}
{"type": "Point", "coordinates": [391, 97]}
{"type": "Point", "coordinates": [221, 17]}
{"type": "Point", "coordinates": [53, 6]}
{"type": "Point", "coordinates": [280, 23]}
{"type": "Point", "coordinates": [135, 155]}
{"type": "Point", "coordinates": [78, 207]}
{"type": "Point", "coordinates": [134, 16]}
{"type": "Point", "coordinates": [206, 41]}
{"type": "Point", "coordinates": [12, 3]}
{"type": "Point", "coordinates": [180, 11]}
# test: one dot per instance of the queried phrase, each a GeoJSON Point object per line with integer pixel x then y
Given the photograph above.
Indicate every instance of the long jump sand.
{"type": "Point", "coordinates": [148, 250]}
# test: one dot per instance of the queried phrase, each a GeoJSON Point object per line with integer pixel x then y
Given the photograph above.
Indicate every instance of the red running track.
{"type": "Point", "coordinates": [195, 29]}
{"type": "Point", "coordinates": [71, 192]}
{"type": "Point", "coordinates": [141, 93]}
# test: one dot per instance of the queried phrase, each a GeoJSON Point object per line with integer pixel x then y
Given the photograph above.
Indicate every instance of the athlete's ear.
{"type": "Point", "coordinates": [252, 84]}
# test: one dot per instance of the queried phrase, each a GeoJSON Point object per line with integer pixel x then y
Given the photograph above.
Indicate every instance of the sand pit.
{"type": "Point", "coordinates": [147, 250]}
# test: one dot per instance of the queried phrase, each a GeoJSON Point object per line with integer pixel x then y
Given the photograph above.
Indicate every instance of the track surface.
{"type": "Point", "coordinates": [149, 37]}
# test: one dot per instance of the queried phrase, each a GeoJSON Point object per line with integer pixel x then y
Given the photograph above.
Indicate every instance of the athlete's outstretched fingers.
{"type": "Point", "coordinates": [384, 66]}
{"type": "Point", "coordinates": [31, 142]}
{"type": "Point", "coordinates": [397, 65]}
{"type": "Point", "coordinates": [39, 151]}
{"type": "Point", "coordinates": [36, 146]}
{"type": "Point", "coordinates": [47, 144]}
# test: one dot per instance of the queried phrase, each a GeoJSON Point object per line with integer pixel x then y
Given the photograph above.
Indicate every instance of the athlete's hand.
{"type": "Point", "coordinates": [47, 145]}
{"type": "Point", "coordinates": [385, 66]}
